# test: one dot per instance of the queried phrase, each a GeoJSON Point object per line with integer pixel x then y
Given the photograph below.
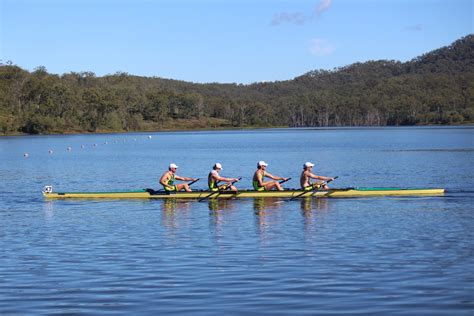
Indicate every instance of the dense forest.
{"type": "Point", "coordinates": [435, 88]}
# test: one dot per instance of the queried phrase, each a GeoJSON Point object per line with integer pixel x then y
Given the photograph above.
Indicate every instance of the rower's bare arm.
{"type": "Point", "coordinates": [219, 178]}
{"type": "Point", "coordinates": [274, 177]}
{"type": "Point", "coordinates": [163, 180]}
{"type": "Point", "coordinates": [271, 176]}
{"type": "Point", "coordinates": [314, 176]}
{"type": "Point", "coordinates": [184, 178]}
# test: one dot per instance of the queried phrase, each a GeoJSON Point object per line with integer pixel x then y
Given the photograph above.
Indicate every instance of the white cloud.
{"type": "Point", "coordinates": [285, 17]}
{"type": "Point", "coordinates": [414, 28]}
{"type": "Point", "coordinates": [323, 5]}
{"type": "Point", "coordinates": [320, 47]}
{"type": "Point", "coordinates": [300, 18]}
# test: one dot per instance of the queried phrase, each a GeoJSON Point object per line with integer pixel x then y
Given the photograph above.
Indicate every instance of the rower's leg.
{"type": "Point", "coordinates": [273, 185]}
{"type": "Point", "coordinates": [187, 188]}
{"type": "Point", "coordinates": [183, 186]}
{"type": "Point", "coordinates": [268, 186]}
{"type": "Point", "coordinates": [278, 186]}
{"type": "Point", "coordinates": [320, 185]}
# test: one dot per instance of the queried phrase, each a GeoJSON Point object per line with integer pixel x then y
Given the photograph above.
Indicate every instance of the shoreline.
{"type": "Point", "coordinates": [247, 128]}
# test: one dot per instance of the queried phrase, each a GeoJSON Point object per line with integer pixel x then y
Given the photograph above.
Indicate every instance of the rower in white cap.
{"type": "Point", "coordinates": [214, 178]}
{"type": "Point", "coordinates": [169, 177]}
{"type": "Point", "coordinates": [307, 175]}
{"type": "Point", "coordinates": [260, 174]}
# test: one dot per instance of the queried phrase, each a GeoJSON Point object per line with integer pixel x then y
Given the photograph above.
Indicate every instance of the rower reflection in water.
{"type": "Point", "coordinates": [220, 205]}
{"type": "Point", "coordinates": [218, 208]}
{"type": "Point", "coordinates": [266, 211]}
{"type": "Point", "coordinates": [308, 205]}
{"type": "Point", "coordinates": [314, 213]}
{"type": "Point", "coordinates": [175, 212]}
{"type": "Point", "coordinates": [266, 203]}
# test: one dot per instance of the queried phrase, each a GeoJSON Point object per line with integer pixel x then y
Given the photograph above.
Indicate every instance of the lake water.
{"type": "Point", "coordinates": [398, 255]}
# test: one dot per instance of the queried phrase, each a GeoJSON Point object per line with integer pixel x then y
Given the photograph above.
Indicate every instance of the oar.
{"type": "Point", "coordinates": [190, 183]}
{"type": "Point", "coordinates": [316, 188]}
{"type": "Point", "coordinates": [219, 191]}
{"type": "Point", "coordinates": [283, 181]}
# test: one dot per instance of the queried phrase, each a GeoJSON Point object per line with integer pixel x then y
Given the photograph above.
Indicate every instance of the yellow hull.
{"type": "Point", "coordinates": [333, 193]}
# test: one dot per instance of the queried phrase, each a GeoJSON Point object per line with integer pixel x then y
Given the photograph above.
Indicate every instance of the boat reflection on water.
{"type": "Point", "coordinates": [216, 205]}
{"type": "Point", "coordinates": [264, 204]}
{"type": "Point", "coordinates": [272, 212]}
{"type": "Point", "coordinates": [313, 211]}
{"type": "Point", "coordinates": [219, 209]}
{"type": "Point", "coordinates": [267, 213]}
{"type": "Point", "coordinates": [48, 208]}
{"type": "Point", "coordinates": [175, 212]}
{"type": "Point", "coordinates": [308, 205]}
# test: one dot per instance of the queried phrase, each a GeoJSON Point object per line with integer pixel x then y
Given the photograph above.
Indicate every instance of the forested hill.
{"type": "Point", "coordinates": [435, 88]}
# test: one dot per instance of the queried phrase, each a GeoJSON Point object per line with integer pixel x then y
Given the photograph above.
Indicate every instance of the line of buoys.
{"type": "Point", "coordinates": [69, 148]}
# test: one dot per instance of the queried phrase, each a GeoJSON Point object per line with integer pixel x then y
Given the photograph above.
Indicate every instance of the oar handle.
{"type": "Point", "coordinates": [326, 182]}
{"type": "Point", "coordinates": [228, 185]}
{"type": "Point", "coordinates": [283, 181]}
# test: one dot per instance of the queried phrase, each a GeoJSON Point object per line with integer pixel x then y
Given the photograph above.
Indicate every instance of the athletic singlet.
{"type": "Point", "coordinates": [211, 183]}
{"type": "Point", "coordinates": [171, 183]}
{"type": "Point", "coordinates": [256, 186]}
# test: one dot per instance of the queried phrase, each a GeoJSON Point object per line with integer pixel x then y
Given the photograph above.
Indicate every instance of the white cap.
{"type": "Point", "coordinates": [308, 164]}
{"type": "Point", "coordinates": [218, 166]}
{"type": "Point", "coordinates": [262, 163]}
{"type": "Point", "coordinates": [172, 165]}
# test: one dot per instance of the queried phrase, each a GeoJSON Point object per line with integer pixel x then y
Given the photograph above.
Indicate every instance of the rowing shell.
{"type": "Point", "coordinates": [332, 193]}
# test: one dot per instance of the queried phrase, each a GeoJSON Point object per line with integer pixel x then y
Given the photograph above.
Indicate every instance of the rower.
{"type": "Point", "coordinates": [214, 178]}
{"type": "Point", "coordinates": [260, 174]}
{"type": "Point", "coordinates": [169, 177]}
{"type": "Point", "coordinates": [307, 175]}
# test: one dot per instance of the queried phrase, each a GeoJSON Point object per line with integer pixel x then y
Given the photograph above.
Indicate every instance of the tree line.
{"type": "Point", "coordinates": [435, 88]}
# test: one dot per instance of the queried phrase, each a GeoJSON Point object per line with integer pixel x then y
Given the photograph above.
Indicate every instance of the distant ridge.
{"type": "Point", "coordinates": [434, 88]}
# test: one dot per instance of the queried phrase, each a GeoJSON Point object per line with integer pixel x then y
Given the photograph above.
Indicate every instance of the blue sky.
{"type": "Point", "coordinates": [223, 41]}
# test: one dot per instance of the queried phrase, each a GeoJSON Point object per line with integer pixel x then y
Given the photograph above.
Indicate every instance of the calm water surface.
{"type": "Point", "coordinates": [363, 256]}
